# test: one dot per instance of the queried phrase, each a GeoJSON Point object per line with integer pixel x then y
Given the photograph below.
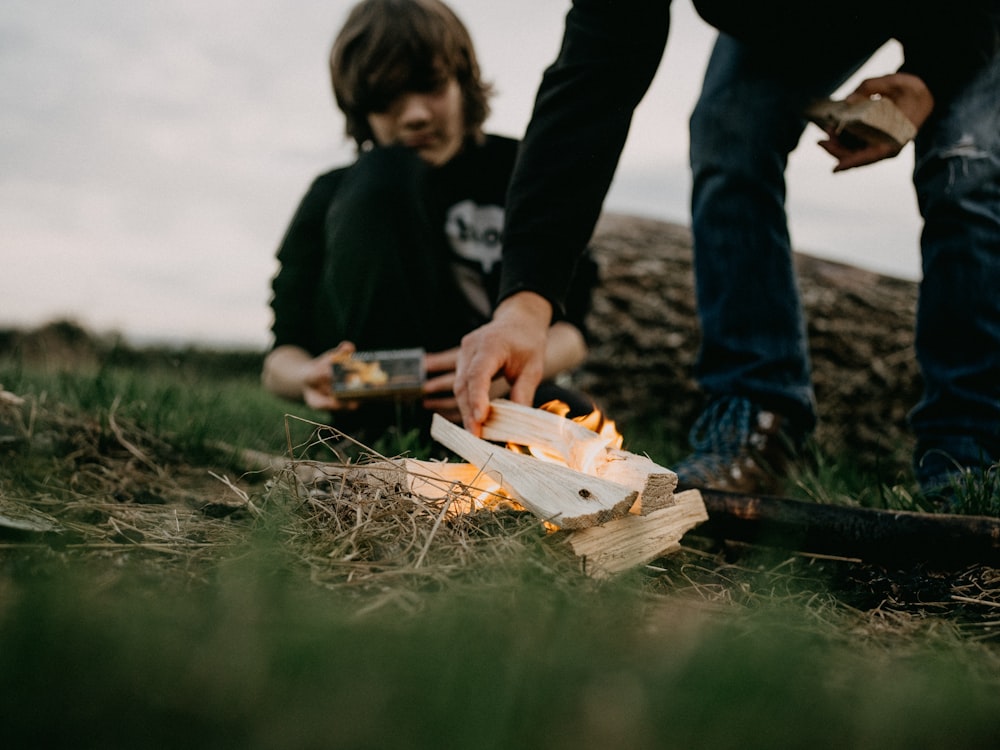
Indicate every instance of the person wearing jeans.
{"type": "Point", "coordinates": [771, 59]}
{"type": "Point", "coordinates": [746, 122]}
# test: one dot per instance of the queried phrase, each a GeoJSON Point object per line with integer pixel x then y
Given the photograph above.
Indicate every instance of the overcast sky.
{"type": "Point", "coordinates": [152, 154]}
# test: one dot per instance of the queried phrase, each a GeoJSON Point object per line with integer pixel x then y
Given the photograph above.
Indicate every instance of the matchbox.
{"type": "Point", "coordinates": [390, 373]}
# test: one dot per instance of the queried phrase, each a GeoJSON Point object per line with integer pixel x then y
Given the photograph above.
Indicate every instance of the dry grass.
{"type": "Point", "coordinates": [104, 488]}
{"type": "Point", "coordinates": [230, 598]}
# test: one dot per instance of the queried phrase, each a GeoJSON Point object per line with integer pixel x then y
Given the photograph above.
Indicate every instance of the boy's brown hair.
{"type": "Point", "coordinates": [389, 47]}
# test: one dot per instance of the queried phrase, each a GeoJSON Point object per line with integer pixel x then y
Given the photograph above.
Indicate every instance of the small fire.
{"type": "Point", "coordinates": [595, 421]}
{"type": "Point", "coordinates": [491, 495]}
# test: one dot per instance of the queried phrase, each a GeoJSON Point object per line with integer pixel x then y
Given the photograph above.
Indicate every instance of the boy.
{"type": "Point", "coordinates": [402, 248]}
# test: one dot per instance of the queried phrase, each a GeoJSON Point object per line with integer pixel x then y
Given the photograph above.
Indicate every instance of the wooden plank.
{"type": "Point", "coordinates": [655, 483]}
{"type": "Point", "coordinates": [624, 543]}
{"type": "Point", "coordinates": [566, 498]}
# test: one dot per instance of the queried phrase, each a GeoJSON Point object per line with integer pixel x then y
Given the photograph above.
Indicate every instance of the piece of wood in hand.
{"type": "Point", "coordinates": [636, 540]}
{"type": "Point", "coordinates": [577, 445]}
{"type": "Point", "coordinates": [868, 120]}
{"type": "Point", "coordinates": [562, 496]}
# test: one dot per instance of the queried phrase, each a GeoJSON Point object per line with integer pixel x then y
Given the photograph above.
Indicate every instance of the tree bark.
{"type": "Point", "coordinates": [644, 337]}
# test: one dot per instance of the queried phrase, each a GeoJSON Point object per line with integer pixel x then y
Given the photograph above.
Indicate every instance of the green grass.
{"type": "Point", "coordinates": [244, 632]}
{"type": "Point", "coordinates": [257, 658]}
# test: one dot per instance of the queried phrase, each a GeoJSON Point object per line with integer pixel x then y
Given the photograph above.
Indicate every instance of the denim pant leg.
{"type": "Point", "coordinates": [746, 122]}
{"type": "Point", "coordinates": [957, 179]}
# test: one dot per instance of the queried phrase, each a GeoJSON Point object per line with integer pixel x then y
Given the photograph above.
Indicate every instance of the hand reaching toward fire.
{"type": "Point", "coordinates": [512, 344]}
{"type": "Point", "coordinates": [908, 92]}
{"type": "Point", "coordinates": [439, 388]}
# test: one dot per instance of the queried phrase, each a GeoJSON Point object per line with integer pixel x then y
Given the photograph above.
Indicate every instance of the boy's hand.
{"type": "Point", "coordinates": [317, 380]}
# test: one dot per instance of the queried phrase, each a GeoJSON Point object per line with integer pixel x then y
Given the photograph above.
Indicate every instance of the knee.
{"type": "Point", "coordinates": [384, 175]}
{"type": "Point", "coordinates": [957, 161]}
{"type": "Point", "coordinates": [959, 173]}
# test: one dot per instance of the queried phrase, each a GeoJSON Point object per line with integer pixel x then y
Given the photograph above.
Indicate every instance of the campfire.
{"type": "Point", "coordinates": [620, 509]}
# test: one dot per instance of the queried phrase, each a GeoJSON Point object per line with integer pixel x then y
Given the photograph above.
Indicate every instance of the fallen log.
{"type": "Point", "coordinates": [872, 535]}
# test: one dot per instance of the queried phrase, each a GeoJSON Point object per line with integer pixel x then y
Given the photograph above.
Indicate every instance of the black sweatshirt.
{"type": "Point", "coordinates": [610, 52]}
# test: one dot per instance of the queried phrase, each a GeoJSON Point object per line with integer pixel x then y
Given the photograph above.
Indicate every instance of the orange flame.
{"type": "Point", "coordinates": [595, 421]}
{"type": "Point", "coordinates": [489, 494]}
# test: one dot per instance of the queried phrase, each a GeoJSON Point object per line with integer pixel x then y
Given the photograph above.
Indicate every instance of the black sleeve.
{"type": "Point", "coordinates": [610, 52]}
{"type": "Point", "coordinates": [943, 44]}
{"type": "Point", "coordinates": [580, 293]}
{"type": "Point", "coordinates": [946, 48]}
{"type": "Point", "coordinates": [300, 258]}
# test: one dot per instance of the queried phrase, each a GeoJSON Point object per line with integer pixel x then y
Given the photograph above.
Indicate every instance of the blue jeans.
{"type": "Point", "coordinates": [747, 120]}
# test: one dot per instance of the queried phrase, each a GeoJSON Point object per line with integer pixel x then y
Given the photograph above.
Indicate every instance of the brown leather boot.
{"type": "Point", "coordinates": [738, 447]}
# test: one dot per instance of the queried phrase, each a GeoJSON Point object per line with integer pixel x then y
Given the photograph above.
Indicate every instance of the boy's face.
{"type": "Point", "coordinates": [430, 122]}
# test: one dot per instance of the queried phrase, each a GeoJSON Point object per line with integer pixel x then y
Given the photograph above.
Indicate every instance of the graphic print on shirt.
{"type": "Point", "coordinates": [474, 233]}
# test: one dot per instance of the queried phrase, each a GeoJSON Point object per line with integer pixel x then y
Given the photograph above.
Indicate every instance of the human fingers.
{"type": "Point", "coordinates": [478, 361]}
{"type": "Point", "coordinates": [318, 381]}
{"type": "Point", "coordinates": [447, 407]}
{"type": "Point", "coordinates": [513, 341]}
{"type": "Point", "coordinates": [445, 361]}
{"type": "Point", "coordinates": [525, 383]}
{"type": "Point", "coordinates": [444, 383]}
{"type": "Point", "coordinates": [849, 157]}
{"type": "Point", "coordinates": [908, 92]}
{"type": "Point", "coordinates": [340, 353]}
{"type": "Point", "coordinates": [324, 401]}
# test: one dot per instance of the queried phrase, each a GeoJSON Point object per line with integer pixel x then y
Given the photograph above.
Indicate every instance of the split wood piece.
{"type": "Point", "coordinates": [582, 449]}
{"type": "Point", "coordinates": [873, 535]}
{"type": "Point", "coordinates": [578, 446]}
{"type": "Point", "coordinates": [636, 540]}
{"type": "Point", "coordinates": [655, 483]}
{"type": "Point", "coordinates": [868, 120]}
{"type": "Point", "coordinates": [566, 498]}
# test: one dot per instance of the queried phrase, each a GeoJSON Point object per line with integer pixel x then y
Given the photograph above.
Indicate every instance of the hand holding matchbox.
{"type": "Point", "coordinates": [391, 373]}
{"type": "Point", "coordinates": [877, 119]}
